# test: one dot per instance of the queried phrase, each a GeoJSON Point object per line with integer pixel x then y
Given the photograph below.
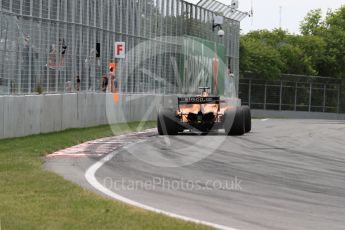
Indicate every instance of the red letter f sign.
{"type": "Point", "coordinates": [120, 50]}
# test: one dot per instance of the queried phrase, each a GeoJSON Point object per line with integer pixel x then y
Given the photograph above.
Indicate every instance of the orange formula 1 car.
{"type": "Point", "coordinates": [204, 113]}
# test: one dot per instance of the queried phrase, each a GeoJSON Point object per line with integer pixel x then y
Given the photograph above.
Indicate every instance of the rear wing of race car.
{"type": "Point", "coordinates": [198, 101]}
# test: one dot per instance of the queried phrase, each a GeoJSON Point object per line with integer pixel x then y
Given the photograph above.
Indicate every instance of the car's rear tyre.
{"type": "Point", "coordinates": [167, 123]}
{"type": "Point", "coordinates": [247, 118]}
{"type": "Point", "coordinates": [234, 122]}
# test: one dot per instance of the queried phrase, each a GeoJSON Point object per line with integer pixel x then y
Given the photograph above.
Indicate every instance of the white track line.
{"type": "Point", "coordinates": [91, 178]}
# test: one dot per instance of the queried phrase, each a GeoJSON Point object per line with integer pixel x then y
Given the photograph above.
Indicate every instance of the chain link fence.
{"type": "Point", "coordinates": [293, 93]}
{"type": "Point", "coordinates": [66, 45]}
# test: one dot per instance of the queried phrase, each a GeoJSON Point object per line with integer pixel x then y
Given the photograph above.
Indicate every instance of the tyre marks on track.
{"type": "Point", "coordinates": [104, 146]}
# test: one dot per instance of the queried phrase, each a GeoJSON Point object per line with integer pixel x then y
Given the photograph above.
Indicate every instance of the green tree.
{"type": "Point", "coordinates": [328, 34]}
{"type": "Point", "coordinates": [295, 61]}
{"type": "Point", "coordinates": [334, 36]}
{"type": "Point", "coordinates": [312, 23]}
{"type": "Point", "coordinates": [319, 50]}
{"type": "Point", "coordinates": [292, 56]}
{"type": "Point", "coordinates": [274, 38]}
{"type": "Point", "coordinates": [260, 59]}
{"type": "Point", "coordinates": [313, 49]}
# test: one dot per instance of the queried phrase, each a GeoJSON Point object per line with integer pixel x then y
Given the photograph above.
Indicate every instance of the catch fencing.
{"type": "Point", "coordinates": [45, 45]}
{"type": "Point", "coordinates": [293, 93]}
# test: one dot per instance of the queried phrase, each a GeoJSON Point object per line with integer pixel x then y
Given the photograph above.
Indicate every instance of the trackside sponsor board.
{"type": "Point", "coordinates": [203, 65]}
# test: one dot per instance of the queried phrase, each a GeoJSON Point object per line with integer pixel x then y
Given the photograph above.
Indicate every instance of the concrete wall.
{"type": "Point", "coordinates": [296, 115]}
{"type": "Point", "coordinates": [2, 116]}
{"type": "Point", "coordinates": [27, 115]}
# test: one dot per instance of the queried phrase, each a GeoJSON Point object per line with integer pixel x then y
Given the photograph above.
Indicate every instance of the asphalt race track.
{"type": "Point", "coordinates": [286, 174]}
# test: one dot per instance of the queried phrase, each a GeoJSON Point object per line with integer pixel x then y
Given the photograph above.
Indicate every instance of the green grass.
{"type": "Point", "coordinates": [32, 198]}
